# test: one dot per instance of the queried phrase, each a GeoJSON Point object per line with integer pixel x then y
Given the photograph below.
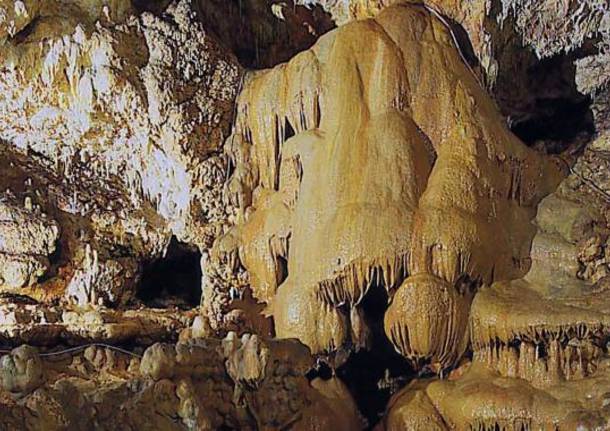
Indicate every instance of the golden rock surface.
{"type": "Point", "coordinates": [400, 174]}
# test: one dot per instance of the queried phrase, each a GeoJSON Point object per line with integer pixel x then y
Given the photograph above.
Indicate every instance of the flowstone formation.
{"type": "Point", "coordinates": [304, 215]}
{"type": "Point", "coordinates": [395, 179]}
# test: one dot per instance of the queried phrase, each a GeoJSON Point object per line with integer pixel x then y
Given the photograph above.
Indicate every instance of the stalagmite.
{"type": "Point", "coordinates": [483, 400]}
{"type": "Point", "coordinates": [569, 330]}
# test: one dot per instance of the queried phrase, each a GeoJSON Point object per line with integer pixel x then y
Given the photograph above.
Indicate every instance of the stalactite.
{"type": "Point", "coordinates": [553, 341]}
{"type": "Point", "coordinates": [109, 85]}
{"type": "Point", "coordinates": [404, 179]}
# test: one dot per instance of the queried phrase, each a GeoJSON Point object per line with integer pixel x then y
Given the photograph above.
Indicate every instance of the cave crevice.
{"type": "Point", "coordinates": [174, 279]}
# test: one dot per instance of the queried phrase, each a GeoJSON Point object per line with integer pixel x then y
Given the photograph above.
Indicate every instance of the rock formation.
{"type": "Point", "coordinates": [436, 175]}
{"type": "Point", "coordinates": [192, 385]}
{"type": "Point", "coordinates": [308, 214]}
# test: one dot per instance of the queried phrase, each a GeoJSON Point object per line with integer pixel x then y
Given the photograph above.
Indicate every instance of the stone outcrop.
{"type": "Point", "coordinates": [21, 370]}
{"type": "Point", "coordinates": [190, 385]}
{"type": "Point", "coordinates": [49, 325]}
{"type": "Point", "coordinates": [27, 238]}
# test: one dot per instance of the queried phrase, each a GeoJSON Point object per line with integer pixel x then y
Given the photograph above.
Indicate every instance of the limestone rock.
{"type": "Point", "coordinates": [21, 371]}
{"type": "Point", "coordinates": [376, 226]}
{"type": "Point", "coordinates": [159, 361]}
{"type": "Point", "coordinates": [511, 323]}
{"type": "Point", "coordinates": [247, 363]}
{"type": "Point", "coordinates": [412, 409]}
{"type": "Point", "coordinates": [42, 324]}
{"type": "Point", "coordinates": [27, 238]}
{"type": "Point", "coordinates": [110, 111]}
{"type": "Point", "coordinates": [144, 100]}
{"type": "Point", "coordinates": [100, 386]}
{"type": "Point", "coordinates": [482, 399]}
{"type": "Point", "coordinates": [102, 283]}
{"type": "Point", "coordinates": [417, 192]}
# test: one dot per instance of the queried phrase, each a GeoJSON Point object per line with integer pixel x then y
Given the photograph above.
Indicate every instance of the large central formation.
{"type": "Point", "coordinates": [375, 160]}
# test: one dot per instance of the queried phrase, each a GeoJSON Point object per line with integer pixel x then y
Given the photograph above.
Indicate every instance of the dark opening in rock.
{"type": "Point", "coordinates": [282, 274]}
{"type": "Point", "coordinates": [564, 121]}
{"type": "Point", "coordinates": [173, 280]}
{"type": "Point", "coordinates": [539, 96]}
{"type": "Point", "coordinates": [374, 374]}
{"type": "Point", "coordinates": [288, 130]}
{"type": "Point", "coordinates": [556, 113]}
{"type": "Point", "coordinates": [259, 36]}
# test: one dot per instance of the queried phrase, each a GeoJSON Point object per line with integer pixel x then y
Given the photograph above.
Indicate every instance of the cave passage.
{"type": "Point", "coordinates": [172, 280]}
{"type": "Point", "coordinates": [374, 374]}
{"type": "Point", "coordinates": [257, 36]}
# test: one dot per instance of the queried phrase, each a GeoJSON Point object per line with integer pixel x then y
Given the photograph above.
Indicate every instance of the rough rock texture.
{"type": "Point", "coordinates": [79, 225]}
{"type": "Point", "coordinates": [190, 385]}
{"type": "Point", "coordinates": [543, 61]}
{"type": "Point", "coordinates": [21, 370]}
{"type": "Point", "coordinates": [482, 399]}
{"type": "Point", "coordinates": [52, 325]}
{"type": "Point", "coordinates": [163, 86]}
{"type": "Point", "coordinates": [27, 237]}
{"type": "Point", "coordinates": [136, 104]}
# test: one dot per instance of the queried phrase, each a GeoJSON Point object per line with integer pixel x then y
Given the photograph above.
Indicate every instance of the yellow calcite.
{"type": "Point", "coordinates": [376, 159]}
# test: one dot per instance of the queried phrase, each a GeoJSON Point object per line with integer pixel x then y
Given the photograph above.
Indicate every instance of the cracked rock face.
{"type": "Point", "coordinates": [304, 215]}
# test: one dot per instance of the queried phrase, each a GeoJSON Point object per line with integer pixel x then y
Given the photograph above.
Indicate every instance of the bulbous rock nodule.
{"type": "Point", "coordinates": [427, 321]}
